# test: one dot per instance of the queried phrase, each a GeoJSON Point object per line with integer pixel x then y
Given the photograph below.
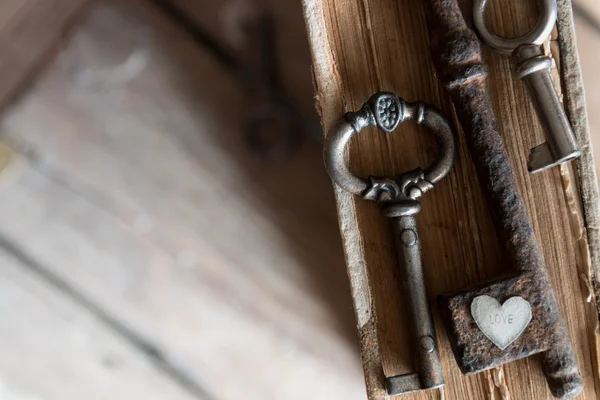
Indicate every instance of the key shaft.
{"type": "Point", "coordinates": [408, 251]}
{"type": "Point", "coordinates": [532, 66]}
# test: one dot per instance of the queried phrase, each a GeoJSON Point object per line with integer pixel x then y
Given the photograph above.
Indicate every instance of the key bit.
{"type": "Point", "coordinates": [399, 199]}
{"type": "Point", "coordinates": [560, 146]}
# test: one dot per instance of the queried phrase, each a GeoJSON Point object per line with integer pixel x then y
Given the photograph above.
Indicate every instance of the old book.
{"type": "Point", "coordinates": [360, 47]}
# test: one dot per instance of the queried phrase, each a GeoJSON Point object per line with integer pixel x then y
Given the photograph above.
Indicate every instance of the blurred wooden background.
{"type": "Point", "coordinates": [146, 252]}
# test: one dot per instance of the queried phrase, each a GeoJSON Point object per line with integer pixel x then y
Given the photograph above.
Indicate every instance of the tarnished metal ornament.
{"type": "Point", "coordinates": [388, 111]}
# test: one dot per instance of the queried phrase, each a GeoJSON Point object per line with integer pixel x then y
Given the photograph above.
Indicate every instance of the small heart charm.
{"type": "Point", "coordinates": [502, 324]}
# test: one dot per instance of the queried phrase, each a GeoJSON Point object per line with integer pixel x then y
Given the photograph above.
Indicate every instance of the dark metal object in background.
{"type": "Point", "coordinates": [457, 56]}
{"type": "Point", "coordinates": [532, 66]}
{"type": "Point", "coordinates": [400, 201]}
{"type": "Point", "coordinates": [273, 125]}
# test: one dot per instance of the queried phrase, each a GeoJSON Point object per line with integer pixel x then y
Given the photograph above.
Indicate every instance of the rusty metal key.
{"type": "Point", "coordinates": [517, 315]}
{"type": "Point", "coordinates": [399, 199]}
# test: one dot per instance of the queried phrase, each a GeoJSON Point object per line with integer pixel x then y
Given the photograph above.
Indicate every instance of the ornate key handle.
{"type": "Point", "coordinates": [548, 12]}
{"type": "Point", "coordinates": [387, 111]}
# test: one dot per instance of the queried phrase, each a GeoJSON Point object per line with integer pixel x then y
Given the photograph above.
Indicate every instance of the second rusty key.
{"type": "Point", "coordinates": [517, 315]}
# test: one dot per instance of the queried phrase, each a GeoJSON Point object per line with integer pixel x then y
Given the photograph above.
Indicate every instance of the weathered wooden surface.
{"type": "Point", "coordinates": [54, 348]}
{"type": "Point", "coordinates": [360, 47]}
{"type": "Point", "coordinates": [141, 201]}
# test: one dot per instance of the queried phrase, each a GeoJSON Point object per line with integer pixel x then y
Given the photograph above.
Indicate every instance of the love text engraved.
{"type": "Point", "coordinates": [502, 324]}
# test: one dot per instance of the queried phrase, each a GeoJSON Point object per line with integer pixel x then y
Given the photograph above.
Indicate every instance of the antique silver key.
{"type": "Point", "coordinates": [399, 199]}
{"type": "Point", "coordinates": [532, 67]}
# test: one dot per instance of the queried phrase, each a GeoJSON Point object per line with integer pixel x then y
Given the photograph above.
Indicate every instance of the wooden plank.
{"type": "Point", "coordinates": [144, 197]}
{"type": "Point", "coordinates": [53, 348]}
{"type": "Point", "coordinates": [360, 47]}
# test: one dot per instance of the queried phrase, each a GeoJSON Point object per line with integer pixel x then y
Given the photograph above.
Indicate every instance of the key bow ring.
{"type": "Point", "coordinates": [387, 111]}
{"type": "Point", "coordinates": [548, 12]}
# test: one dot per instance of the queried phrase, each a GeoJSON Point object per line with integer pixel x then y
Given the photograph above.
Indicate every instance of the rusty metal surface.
{"type": "Point", "coordinates": [474, 350]}
{"type": "Point", "coordinates": [458, 60]}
